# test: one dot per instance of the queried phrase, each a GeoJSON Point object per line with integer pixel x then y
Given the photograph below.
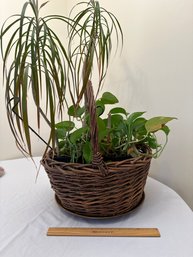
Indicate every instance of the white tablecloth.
{"type": "Point", "coordinates": [28, 209]}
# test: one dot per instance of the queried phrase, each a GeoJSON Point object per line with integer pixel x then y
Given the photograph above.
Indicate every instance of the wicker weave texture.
{"type": "Point", "coordinates": [84, 190]}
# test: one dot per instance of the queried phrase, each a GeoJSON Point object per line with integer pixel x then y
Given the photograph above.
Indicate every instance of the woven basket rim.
{"type": "Point", "coordinates": [143, 157]}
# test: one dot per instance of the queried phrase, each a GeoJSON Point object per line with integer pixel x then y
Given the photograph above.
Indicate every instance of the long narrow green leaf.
{"type": "Point", "coordinates": [25, 110]}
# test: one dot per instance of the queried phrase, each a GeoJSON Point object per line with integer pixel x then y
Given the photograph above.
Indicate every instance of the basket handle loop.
{"type": "Point", "coordinates": [97, 160]}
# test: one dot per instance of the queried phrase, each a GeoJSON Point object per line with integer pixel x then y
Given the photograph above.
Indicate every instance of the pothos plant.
{"type": "Point", "coordinates": [54, 73]}
{"type": "Point", "coordinates": [120, 134]}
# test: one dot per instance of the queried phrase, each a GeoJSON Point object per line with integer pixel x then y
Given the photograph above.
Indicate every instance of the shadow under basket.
{"type": "Point", "coordinates": [84, 190]}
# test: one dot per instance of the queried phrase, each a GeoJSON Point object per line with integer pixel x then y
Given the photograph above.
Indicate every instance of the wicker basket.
{"type": "Point", "coordinates": [85, 191]}
{"type": "Point", "coordinates": [98, 189]}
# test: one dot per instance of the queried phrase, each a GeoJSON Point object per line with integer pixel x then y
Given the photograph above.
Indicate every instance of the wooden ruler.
{"type": "Point", "coordinates": [105, 232]}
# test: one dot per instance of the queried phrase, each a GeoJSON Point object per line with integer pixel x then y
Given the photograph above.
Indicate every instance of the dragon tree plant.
{"type": "Point", "coordinates": [37, 62]}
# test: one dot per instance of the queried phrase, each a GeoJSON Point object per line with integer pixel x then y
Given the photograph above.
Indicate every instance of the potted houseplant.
{"type": "Point", "coordinates": [97, 161]}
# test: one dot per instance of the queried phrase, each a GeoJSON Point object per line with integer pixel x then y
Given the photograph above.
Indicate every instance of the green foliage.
{"type": "Point", "coordinates": [108, 98]}
{"type": "Point", "coordinates": [118, 110]}
{"type": "Point", "coordinates": [36, 62]}
{"type": "Point", "coordinates": [76, 111]}
{"type": "Point", "coordinates": [65, 125]}
{"type": "Point", "coordinates": [157, 123]}
{"type": "Point", "coordinates": [87, 152]}
{"type": "Point", "coordinates": [120, 134]}
{"type": "Point", "coordinates": [77, 135]}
